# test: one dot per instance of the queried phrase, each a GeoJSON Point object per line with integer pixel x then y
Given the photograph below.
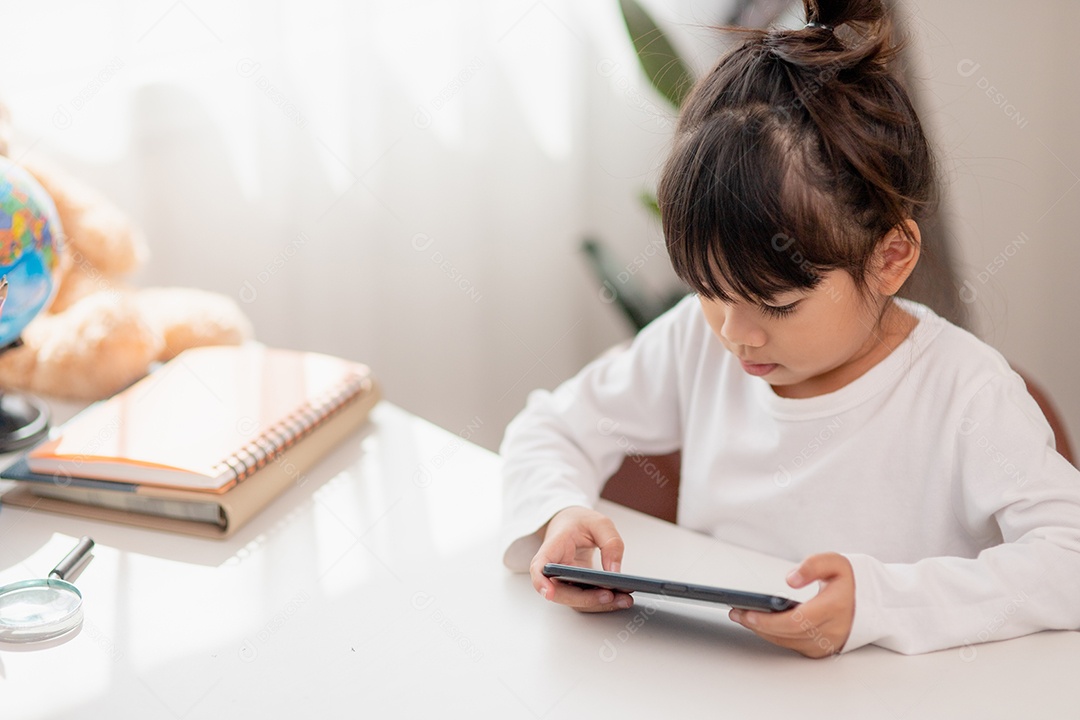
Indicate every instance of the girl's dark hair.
{"type": "Point", "coordinates": [794, 156]}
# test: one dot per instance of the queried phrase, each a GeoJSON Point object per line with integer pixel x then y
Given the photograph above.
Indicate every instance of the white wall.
{"type": "Point", "coordinates": [1000, 94]}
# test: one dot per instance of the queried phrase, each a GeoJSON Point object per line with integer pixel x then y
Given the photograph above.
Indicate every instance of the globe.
{"type": "Point", "coordinates": [30, 236]}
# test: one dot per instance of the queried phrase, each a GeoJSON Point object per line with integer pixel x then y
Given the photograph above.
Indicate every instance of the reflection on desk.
{"type": "Point", "coordinates": [374, 587]}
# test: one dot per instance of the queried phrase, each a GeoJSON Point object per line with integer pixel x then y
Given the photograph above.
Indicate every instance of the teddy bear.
{"type": "Point", "coordinates": [99, 334]}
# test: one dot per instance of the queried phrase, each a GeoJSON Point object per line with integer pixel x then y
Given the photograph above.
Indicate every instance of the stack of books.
{"type": "Point", "coordinates": [200, 445]}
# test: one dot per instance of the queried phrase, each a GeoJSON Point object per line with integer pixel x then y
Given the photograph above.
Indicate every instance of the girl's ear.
{"type": "Point", "coordinates": [895, 258]}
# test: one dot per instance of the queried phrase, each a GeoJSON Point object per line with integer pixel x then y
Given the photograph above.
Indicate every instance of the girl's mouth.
{"type": "Point", "coordinates": [758, 369]}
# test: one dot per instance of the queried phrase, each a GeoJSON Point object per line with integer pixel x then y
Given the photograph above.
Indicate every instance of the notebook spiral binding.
{"type": "Point", "coordinates": [268, 445]}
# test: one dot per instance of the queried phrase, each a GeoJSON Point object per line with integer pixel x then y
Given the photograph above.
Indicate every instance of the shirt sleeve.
{"type": "Point", "coordinates": [1012, 487]}
{"type": "Point", "coordinates": [565, 444]}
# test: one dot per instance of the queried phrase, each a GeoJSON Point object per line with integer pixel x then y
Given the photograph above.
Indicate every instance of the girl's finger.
{"type": "Point", "coordinates": [824, 566]}
{"type": "Point", "coordinates": [590, 600]}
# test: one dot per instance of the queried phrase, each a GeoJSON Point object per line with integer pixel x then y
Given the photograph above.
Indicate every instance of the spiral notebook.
{"type": "Point", "coordinates": [213, 515]}
{"type": "Point", "coordinates": [206, 420]}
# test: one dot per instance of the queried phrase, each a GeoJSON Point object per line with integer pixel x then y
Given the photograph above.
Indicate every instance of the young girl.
{"type": "Point", "coordinates": [820, 418]}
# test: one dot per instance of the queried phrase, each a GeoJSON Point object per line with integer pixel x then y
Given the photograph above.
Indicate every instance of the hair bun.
{"type": "Point", "coordinates": [835, 13]}
{"type": "Point", "coordinates": [859, 40]}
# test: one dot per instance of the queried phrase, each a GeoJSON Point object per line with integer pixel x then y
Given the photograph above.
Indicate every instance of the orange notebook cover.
{"type": "Point", "coordinates": [231, 510]}
{"type": "Point", "coordinates": [205, 420]}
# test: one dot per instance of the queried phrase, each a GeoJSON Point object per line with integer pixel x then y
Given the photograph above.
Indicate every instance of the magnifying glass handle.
{"type": "Point", "coordinates": [73, 559]}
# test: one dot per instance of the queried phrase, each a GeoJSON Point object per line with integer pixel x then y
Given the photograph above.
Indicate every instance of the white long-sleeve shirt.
{"type": "Point", "coordinates": [934, 473]}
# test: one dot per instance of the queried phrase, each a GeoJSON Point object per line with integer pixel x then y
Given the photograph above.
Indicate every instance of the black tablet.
{"type": "Point", "coordinates": [587, 577]}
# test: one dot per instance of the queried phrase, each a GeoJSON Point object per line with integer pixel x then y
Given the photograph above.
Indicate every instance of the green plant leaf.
{"type": "Point", "coordinates": [648, 199]}
{"type": "Point", "coordinates": [661, 63]}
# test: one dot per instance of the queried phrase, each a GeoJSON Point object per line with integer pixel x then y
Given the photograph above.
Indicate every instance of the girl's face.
{"type": "Point", "coordinates": [809, 343]}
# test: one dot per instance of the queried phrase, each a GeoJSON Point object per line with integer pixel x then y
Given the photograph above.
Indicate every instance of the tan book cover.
{"type": "Point", "coordinates": [205, 420]}
{"type": "Point", "coordinates": [221, 513]}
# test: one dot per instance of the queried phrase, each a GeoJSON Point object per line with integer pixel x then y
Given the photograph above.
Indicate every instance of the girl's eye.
{"type": "Point", "coordinates": [779, 311]}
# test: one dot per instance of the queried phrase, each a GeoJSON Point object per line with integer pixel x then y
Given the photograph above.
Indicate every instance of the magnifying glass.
{"type": "Point", "coordinates": [33, 610]}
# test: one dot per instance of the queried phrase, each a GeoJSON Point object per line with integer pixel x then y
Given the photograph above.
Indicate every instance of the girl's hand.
{"type": "Point", "coordinates": [820, 626]}
{"type": "Point", "coordinates": [571, 538]}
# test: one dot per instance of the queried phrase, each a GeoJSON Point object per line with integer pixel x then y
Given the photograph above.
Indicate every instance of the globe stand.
{"type": "Point", "coordinates": [24, 420]}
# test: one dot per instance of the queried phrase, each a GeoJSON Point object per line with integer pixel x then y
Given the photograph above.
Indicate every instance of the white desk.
{"type": "Point", "coordinates": [375, 589]}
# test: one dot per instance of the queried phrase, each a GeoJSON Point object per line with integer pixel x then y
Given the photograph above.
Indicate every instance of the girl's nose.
{"type": "Point", "coordinates": [741, 328]}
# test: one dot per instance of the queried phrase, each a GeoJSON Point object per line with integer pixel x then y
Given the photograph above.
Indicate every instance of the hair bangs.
{"type": "Point", "coordinates": [731, 216]}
